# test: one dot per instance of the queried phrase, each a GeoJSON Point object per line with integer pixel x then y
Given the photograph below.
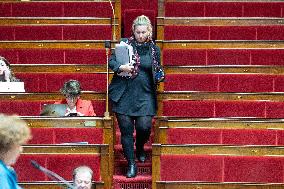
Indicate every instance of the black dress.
{"type": "Point", "coordinates": [138, 98]}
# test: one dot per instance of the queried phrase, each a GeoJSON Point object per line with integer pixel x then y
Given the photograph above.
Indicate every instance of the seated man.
{"type": "Point", "coordinates": [75, 105]}
{"type": "Point", "coordinates": [82, 177]}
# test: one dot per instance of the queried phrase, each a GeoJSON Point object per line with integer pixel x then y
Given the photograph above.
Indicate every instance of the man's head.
{"type": "Point", "coordinates": [82, 177]}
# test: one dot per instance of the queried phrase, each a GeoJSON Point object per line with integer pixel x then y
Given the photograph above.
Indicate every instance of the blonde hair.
{"type": "Point", "coordinates": [143, 21]}
{"type": "Point", "coordinates": [13, 130]}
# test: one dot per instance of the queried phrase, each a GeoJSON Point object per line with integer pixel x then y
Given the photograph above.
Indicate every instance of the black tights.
{"type": "Point", "coordinates": [126, 125]}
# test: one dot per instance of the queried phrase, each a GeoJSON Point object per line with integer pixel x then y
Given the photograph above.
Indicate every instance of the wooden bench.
{"type": "Point", "coordinates": [62, 159]}
{"type": "Point", "coordinates": [30, 104]}
{"type": "Point", "coordinates": [53, 185]}
{"type": "Point", "coordinates": [219, 108]}
{"type": "Point", "coordinates": [219, 28]}
{"type": "Point", "coordinates": [177, 130]}
{"type": "Point", "coordinates": [220, 8]}
{"type": "Point", "coordinates": [194, 166]}
{"type": "Point", "coordinates": [55, 130]}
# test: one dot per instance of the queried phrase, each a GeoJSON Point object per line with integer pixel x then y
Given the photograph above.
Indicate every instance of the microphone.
{"type": "Point", "coordinates": [53, 176]}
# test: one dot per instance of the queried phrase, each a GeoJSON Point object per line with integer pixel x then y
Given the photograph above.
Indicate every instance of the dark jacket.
{"type": "Point", "coordinates": [118, 84]}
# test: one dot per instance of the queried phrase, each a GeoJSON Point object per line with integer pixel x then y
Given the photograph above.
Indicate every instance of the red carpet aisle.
{"type": "Point", "coordinates": [144, 176]}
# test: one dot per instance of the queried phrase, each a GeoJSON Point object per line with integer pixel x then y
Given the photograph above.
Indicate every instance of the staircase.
{"type": "Point", "coordinates": [143, 180]}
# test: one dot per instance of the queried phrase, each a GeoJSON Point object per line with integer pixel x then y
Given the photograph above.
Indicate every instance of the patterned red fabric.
{"type": "Point", "coordinates": [262, 9]}
{"type": "Point", "coordinates": [191, 82]}
{"type": "Point", "coordinates": [249, 137]}
{"type": "Point", "coordinates": [246, 83]}
{"type": "Point", "coordinates": [253, 169]}
{"type": "Point", "coordinates": [191, 168]}
{"type": "Point", "coordinates": [194, 136]}
{"type": "Point", "coordinates": [184, 57]}
{"type": "Point", "coordinates": [26, 172]}
{"type": "Point", "coordinates": [37, 9]}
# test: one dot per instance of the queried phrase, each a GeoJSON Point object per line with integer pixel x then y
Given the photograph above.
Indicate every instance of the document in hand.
{"type": "Point", "coordinates": [124, 55]}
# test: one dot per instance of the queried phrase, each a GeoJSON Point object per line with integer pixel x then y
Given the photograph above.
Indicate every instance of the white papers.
{"type": "Point", "coordinates": [16, 87]}
{"type": "Point", "coordinates": [124, 55]}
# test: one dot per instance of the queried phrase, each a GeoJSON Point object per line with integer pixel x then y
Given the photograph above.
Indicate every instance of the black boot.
{"type": "Point", "coordinates": [132, 169]}
{"type": "Point", "coordinates": [140, 154]}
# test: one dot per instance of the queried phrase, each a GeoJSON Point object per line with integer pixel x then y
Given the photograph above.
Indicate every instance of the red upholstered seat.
{"type": "Point", "coordinates": [65, 164]}
{"type": "Point", "coordinates": [7, 33]}
{"type": "Point", "coordinates": [191, 82]}
{"type": "Point", "coordinates": [172, 32]}
{"type": "Point", "coordinates": [38, 32]}
{"type": "Point", "coordinates": [22, 108]}
{"type": "Point", "coordinates": [249, 137]}
{"type": "Point", "coordinates": [280, 137]}
{"type": "Point", "coordinates": [56, 32]}
{"type": "Point", "coordinates": [184, 57]}
{"type": "Point", "coordinates": [87, 32]}
{"type": "Point", "coordinates": [69, 135]}
{"type": "Point", "coordinates": [232, 33]}
{"type": "Point", "coordinates": [191, 168]}
{"type": "Point", "coordinates": [40, 56]}
{"type": "Point", "coordinates": [267, 57]}
{"type": "Point", "coordinates": [87, 9]}
{"type": "Point", "coordinates": [223, 9]}
{"type": "Point", "coordinates": [59, 56]}
{"type": "Point", "coordinates": [42, 136]}
{"type": "Point", "coordinates": [37, 9]}
{"type": "Point", "coordinates": [56, 9]}
{"type": "Point", "coordinates": [222, 136]}
{"type": "Point", "coordinates": [246, 83]}
{"type": "Point", "coordinates": [222, 82]}
{"type": "Point", "coordinates": [175, 32]}
{"type": "Point", "coordinates": [270, 32]}
{"type": "Point", "coordinates": [33, 108]}
{"type": "Point", "coordinates": [26, 172]}
{"type": "Point", "coordinates": [240, 109]}
{"type": "Point", "coordinates": [85, 56]}
{"type": "Point", "coordinates": [262, 9]}
{"type": "Point", "coordinates": [99, 107]}
{"type": "Point", "coordinates": [52, 82]}
{"type": "Point", "coordinates": [194, 136]}
{"type": "Point", "coordinates": [60, 164]}
{"type": "Point", "coordinates": [5, 9]}
{"type": "Point", "coordinates": [218, 168]}
{"type": "Point", "coordinates": [228, 57]}
{"type": "Point", "coordinates": [211, 108]}
{"type": "Point", "coordinates": [198, 57]}
{"type": "Point", "coordinates": [188, 108]}
{"type": "Point", "coordinates": [253, 169]}
{"type": "Point", "coordinates": [66, 135]}
{"type": "Point", "coordinates": [275, 109]}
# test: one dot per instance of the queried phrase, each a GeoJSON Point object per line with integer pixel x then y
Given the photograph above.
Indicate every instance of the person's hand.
{"type": "Point", "coordinates": [126, 68]}
{"type": "Point", "coordinates": [7, 74]}
{"type": "Point", "coordinates": [80, 114]}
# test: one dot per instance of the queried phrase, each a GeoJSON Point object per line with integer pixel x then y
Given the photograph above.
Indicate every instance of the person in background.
{"type": "Point", "coordinates": [75, 105]}
{"type": "Point", "coordinates": [82, 177]}
{"type": "Point", "coordinates": [6, 74]}
{"type": "Point", "coordinates": [133, 98]}
{"type": "Point", "coordinates": [13, 134]}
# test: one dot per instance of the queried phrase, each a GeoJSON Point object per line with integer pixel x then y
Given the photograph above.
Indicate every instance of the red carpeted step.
{"type": "Point", "coordinates": [139, 182]}
{"type": "Point", "coordinates": [118, 153]}
{"type": "Point", "coordinates": [142, 168]}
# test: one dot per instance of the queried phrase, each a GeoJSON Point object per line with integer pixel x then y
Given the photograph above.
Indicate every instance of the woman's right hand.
{"type": "Point", "coordinates": [7, 74]}
{"type": "Point", "coordinates": [126, 68]}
